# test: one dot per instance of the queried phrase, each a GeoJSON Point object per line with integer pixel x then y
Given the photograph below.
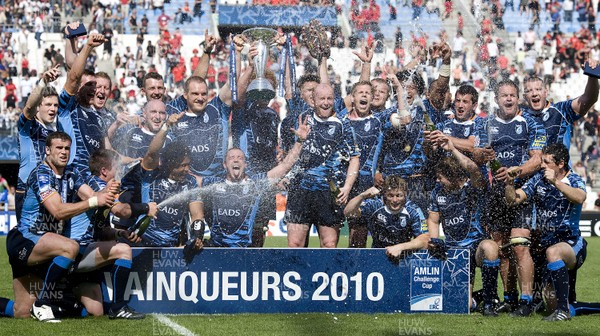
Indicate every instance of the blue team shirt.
{"type": "Point", "coordinates": [165, 229]}
{"type": "Point", "coordinates": [557, 120]}
{"type": "Point", "coordinates": [369, 138]}
{"type": "Point", "coordinates": [255, 133]}
{"type": "Point", "coordinates": [234, 206]}
{"type": "Point", "coordinates": [32, 138]}
{"type": "Point", "coordinates": [513, 139]}
{"type": "Point", "coordinates": [390, 228]}
{"type": "Point", "coordinates": [460, 214]}
{"type": "Point", "coordinates": [89, 129]}
{"type": "Point", "coordinates": [402, 150]}
{"type": "Point", "coordinates": [329, 142]}
{"type": "Point", "coordinates": [43, 183]}
{"type": "Point", "coordinates": [556, 217]}
{"type": "Point", "coordinates": [136, 142]}
{"type": "Point", "coordinates": [82, 228]}
{"type": "Point", "coordinates": [176, 105]}
{"type": "Point", "coordinates": [207, 136]}
{"type": "Point", "coordinates": [461, 129]}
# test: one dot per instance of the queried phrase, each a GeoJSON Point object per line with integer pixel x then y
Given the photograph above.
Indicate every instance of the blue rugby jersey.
{"type": "Point", "coordinates": [369, 138]}
{"type": "Point", "coordinates": [513, 139]}
{"type": "Point", "coordinates": [461, 129]}
{"type": "Point", "coordinates": [207, 136]}
{"type": "Point", "coordinates": [295, 107]}
{"type": "Point", "coordinates": [90, 129]}
{"type": "Point", "coordinates": [234, 206]}
{"type": "Point", "coordinates": [330, 142]}
{"type": "Point", "coordinates": [43, 183]}
{"type": "Point", "coordinates": [82, 228]}
{"type": "Point", "coordinates": [176, 105]}
{"type": "Point", "coordinates": [136, 142]}
{"type": "Point", "coordinates": [32, 138]}
{"type": "Point", "coordinates": [390, 228]}
{"type": "Point", "coordinates": [556, 217]}
{"type": "Point", "coordinates": [460, 214]}
{"type": "Point", "coordinates": [557, 120]}
{"type": "Point", "coordinates": [165, 229]}
{"type": "Point", "coordinates": [402, 150]}
{"type": "Point", "coordinates": [255, 133]}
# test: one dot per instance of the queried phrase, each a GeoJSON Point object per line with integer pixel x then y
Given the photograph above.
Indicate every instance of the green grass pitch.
{"type": "Point", "coordinates": [321, 324]}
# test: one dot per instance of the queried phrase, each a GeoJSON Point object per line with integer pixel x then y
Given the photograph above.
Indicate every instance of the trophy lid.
{"type": "Point", "coordinates": [267, 35]}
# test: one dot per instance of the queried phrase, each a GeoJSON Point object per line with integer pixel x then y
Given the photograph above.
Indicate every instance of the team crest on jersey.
{"type": "Point", "coordinates": [519, 129]}
{"type": "Point", "coordinates": [164, 184]}
{"type": "Point", "coordinates": [441, 200]}
{"type": "Point", "coordinates": [331, 130]}
{"type": "Point", "coordinates": [245, 189]}
{"type": "Point", "coordinates": [368, 126]}
{"type": "Point", "coordinates": [541, 191]}
{"type": "Point", "coordinates": [447, 130]}
{"type": "Point", "coordinates": [381, 218]}
{"type": "Point", "coordinates": [136, 138]}
{"type": "Point", "coordinates": [403, 221]}
{"type": "Point", "coordinates": [546, 116]}
{"type": "Point", "coordinates": [182, 125]}
{"type": "Point", "coordinates": [466, 132]}
{"type": "Point", "coordinates": [71, 183]}
{"type": "Point", "coordinates": [184, 187]}
{"type": "Point", "coordinates": [205, 117]}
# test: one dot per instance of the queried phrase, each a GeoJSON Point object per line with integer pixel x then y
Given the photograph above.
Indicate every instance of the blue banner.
{"type": "Point", "coordinates": [229, 281]}
{"type": "Point", "coordinates": [275, 16]}
{"type": "Point", "coordinates": [9, 148]}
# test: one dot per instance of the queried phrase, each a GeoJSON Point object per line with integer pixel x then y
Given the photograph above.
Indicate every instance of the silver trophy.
{"type": "Point", "coordinates": [260, 88]}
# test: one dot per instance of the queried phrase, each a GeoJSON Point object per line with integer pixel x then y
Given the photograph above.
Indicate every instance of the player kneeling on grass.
{"type": "Point", "coordinates": [49, 205]}
{"type": "Point", "coordinates": [558, 194]}
{"type": "Point", "coordinates": [98, 245]}
{"type": "Point", "coordinates": [391, 218]}
{"type": "Point", "coordinates": [457, 203]}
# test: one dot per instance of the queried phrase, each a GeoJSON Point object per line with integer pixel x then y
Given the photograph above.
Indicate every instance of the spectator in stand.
{"type": "Point", "coordinates": [163, 21]}
{"type": "Point", "coordinates": [529, 38]}
{"type": "Point", "coordinates": [198, 12]}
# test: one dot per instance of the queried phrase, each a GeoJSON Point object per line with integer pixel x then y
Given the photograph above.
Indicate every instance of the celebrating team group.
{"type": "Point", "coordinates": [385, 160]}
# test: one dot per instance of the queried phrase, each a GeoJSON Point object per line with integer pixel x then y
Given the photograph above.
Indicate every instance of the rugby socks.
{"type": "Point", "coordinates": [6, 307]}
{"type": "Point", "coordinates": [119, 275]}
{"type": "Point", "coordinates": [526, 298]}
{"type": "Point", "coordinates": [489, 278]}
{"type": "Point", "coordinates": [560, 282]}
{"type": "Point", "coordinates": [58, 268]}
{"type": "Point", "coordinates": [584, 308]}
{"type": "Point", "coordinates": [511, 297]}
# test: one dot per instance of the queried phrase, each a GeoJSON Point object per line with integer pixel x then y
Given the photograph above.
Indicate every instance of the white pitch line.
{"type": "Point", "coordinates": [181, 330]}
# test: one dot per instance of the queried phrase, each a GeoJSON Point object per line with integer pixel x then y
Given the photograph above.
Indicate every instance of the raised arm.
{"type": "Point", "coordinates": [439, 87]}
{"type": "Point", "coordinates": [477, 179]}
{"type": "Point", "coordinates": [583, 103]}
{"type": "Point", "coordinates": [74, 75]}
{"type": "Point", "coordinates": [290, 159]}
{"type": "Point", "coordinates": [152, 157]}
{"type": "Point", "coordinates": [71, 46]}
{"type": "Point", "coordinates": [35, 98]}
{"type": "Point", "coordinates": [352, 209]}
{"type": "Point", "coordinates": [209, 44]}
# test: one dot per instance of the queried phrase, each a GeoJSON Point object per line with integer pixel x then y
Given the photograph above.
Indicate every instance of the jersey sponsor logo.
{"type": "Point", "coordinates": [170, 211]}
{"type": "Point", "coordinates": [229, 212]}
{"type": "Point", "coordinates": [454, 221]}
{"type": "Point", "coordinates": [200, 148]}
{"type": "Point", "coordinates": [136, 138]}
{"type": "Point", "coordinates": [540, 141]}
{"type": "Point", "coordinates": [382, 218]}
{"type": "Point", "coordinates": [447, 131]}
{"type": "Point", "coordinates": [547, 213]}
{"type": "Point", "coordinates": [494, 130]}
{"type": "Point", "coordinates": [505, 155]}
{"type": "Point", "coordinates": [182, 125]}
{"type": "Point", "coordinates": [441, 200]}
{"type": "Point", "coordinates": [519, 129]}
{"type": "Point", "coordinates": [165, 184]}
{"type": "Point", "coordinates": [95, 143]}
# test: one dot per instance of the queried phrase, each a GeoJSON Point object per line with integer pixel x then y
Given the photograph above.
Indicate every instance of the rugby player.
{"type": "Point", "coordinates": [558, 194]}
{"type": "Point", "coordinates": [48, 207]}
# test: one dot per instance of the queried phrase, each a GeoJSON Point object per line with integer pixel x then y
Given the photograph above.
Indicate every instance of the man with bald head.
{"type": "Point", "coordinates": [138, 139]}
{"type": "Point", "coordinates": [311, 201]}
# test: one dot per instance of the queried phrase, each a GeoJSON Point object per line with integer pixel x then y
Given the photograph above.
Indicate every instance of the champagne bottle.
{"type": "Point", "coordinates": [429, 125]}
{"type": "Point", "coordinates": [335, 190]}
{"type": "Point", "coordinates": [495, 166]}
{"type": "Point", "coordinates": [140, 226]}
